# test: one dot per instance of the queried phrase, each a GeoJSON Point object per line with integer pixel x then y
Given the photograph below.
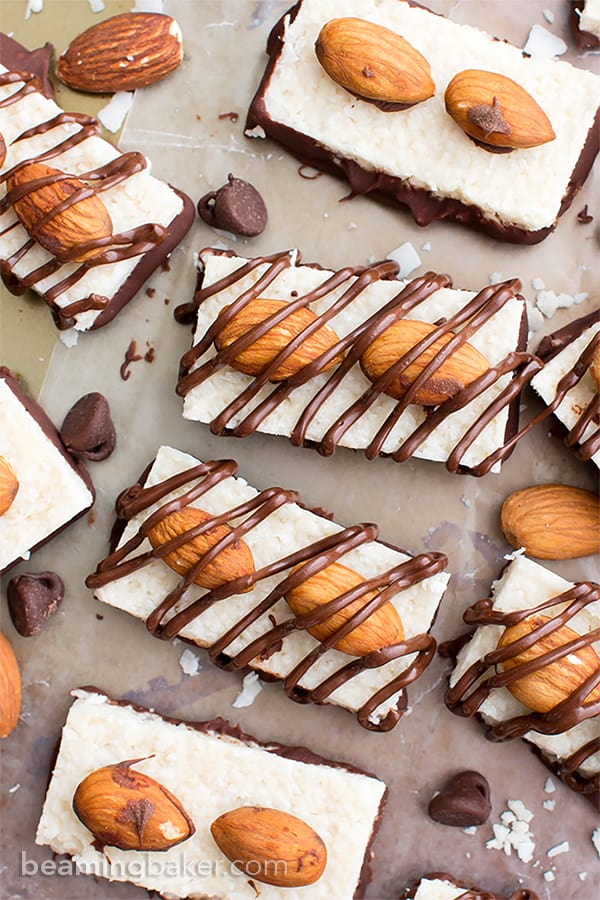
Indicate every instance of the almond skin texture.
{"type": "Point", "coordinates": [51, 213]}
{"type": "Point", "coordinates": [374, 63]}
{"type": "Point", "coordinates": [122, 53]}
{"type": "Point", "coordinates": [232, 562]}
{"type": "Point", "coordinates": [496, 110]}
{"type": "Point", "coordinates": [285, 850]}
{"type": "Point", "coordinates": [381, 629]}
{"type": "Point", "coordinates": [10, 688]}
{"type": "Point", "coordinates": [9, 485]}
{"type": "Point", "coordinates": [552, 521]}
{"type": "Point", "coordinates": [129, 810]}
{"type": "Point", "coordinates": [543, 690]}
{"type": "Point", "coordinates": [460, 369]}
{"type": "Point", "coordinates": [595, 369]}
{"type": "Point", "coordinates": [263, 351]}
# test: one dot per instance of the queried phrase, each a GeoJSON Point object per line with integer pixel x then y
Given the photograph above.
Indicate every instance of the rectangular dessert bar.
{"type": "Point", "coordinates": [569, 383]}
{"type": "Point", "coordinates": [211, 768]}
{"type": "Point", "coordinates": [247, 622]}
{"type": "Point", "coordinates": [566, 737]}
{"type": "Point", "coordinates": [329, 407]}
{"type": "Point", "coordinates": [418, 157]}
{"type": "Point", "coordinates": [53, 487]}
{"type": "Point", "coordinates": [149, 218]}
{"type": "Point", "coordinates": [442, 886]}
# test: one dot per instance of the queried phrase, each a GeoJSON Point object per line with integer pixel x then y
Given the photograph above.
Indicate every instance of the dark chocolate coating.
{"type": "Point", "coordinates": [236, 207]}
{"type": "Point", "coordinates": [471, 891]}
{"type": "Point", "coordinates": [33, 598]}
{"type": "Point", "coordinates": [584, 40]}
{"type": "Point", "coordinates": [463, 801]}
{"type": "Point", "coordinates": [88, 429]}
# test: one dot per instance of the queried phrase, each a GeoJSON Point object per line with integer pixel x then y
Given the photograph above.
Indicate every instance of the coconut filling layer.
{"type": "Point", "coordinates": [284, 531]}
{"type": "Point", "coordinates": [495, 339]}
{"type": "Point", "coordinates": [579, 397]}
{"type": "Point", "coordinates": [209, 774]}
{"type": "Point", "coordinates": [523, 585]}
{"type": "Point", "coordinates": [137, 200]}
{"type": "Point", "coordinates": [589, 19]}
{"type": "Point", "coordinates": [523, 188]}
{"type": "Point", "coordinates": [50, 491]}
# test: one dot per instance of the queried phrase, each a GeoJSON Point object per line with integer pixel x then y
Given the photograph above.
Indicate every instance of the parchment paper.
{"type": "Point", "coordinates": [416, 504]}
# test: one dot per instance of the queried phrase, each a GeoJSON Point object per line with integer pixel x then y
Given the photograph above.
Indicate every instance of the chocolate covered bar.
{"type": "Point", "coordinates": [161, 800]}
{"type": "Point", "coordinates": [334, 110]}
{"type": "Point", "coordinates": [42, 487]}
{"type": "Point", "coordinates": [569, 383]}
{"type": "Point", "coordinates": [442, 886]}
{"type": "Point", "coordinates": [273, 586]}
{"type": "Point", "coordinates": [316, 360]}
{"type": "Point", "coordinates": [81, 223]}
{"type": "Point", "coordinates": [585, 23]}
{"type": "Point", "coordinates": [531, 669]}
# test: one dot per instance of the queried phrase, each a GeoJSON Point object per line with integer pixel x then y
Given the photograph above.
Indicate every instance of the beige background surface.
{"type": "Point", "coordinates": [417, 504]}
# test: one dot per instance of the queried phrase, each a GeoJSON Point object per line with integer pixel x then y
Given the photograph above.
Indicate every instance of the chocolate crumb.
{"type": "Point", "coordinates": [150, 292]}
{"type": "Point", "coordinates": [464, 801]}
{"type": "Point", "coordinates": [88, 429]}
{"type": "Point", "coordinates": [293, 293]}
{"type": "Point", "coordinates": [149, 355]}
{"type": "Point", "coordinates": [584, 217]}
{"type": "Point", "coordinates": [100, 617]}
{"type": "Point", "coordinates": [131, 356]}
{"type": "Point", "coordinates": [165, 265]}
{"type": "Point", "coordinates": [167, 301]}
{"type": "Point", "coordinates": [236, 206]}
{"type": "Point", "coordinates": [199, 117]}
{"type": "Point", "coordinates": [232, 116]}
{"type": "Point", "coordinates": [489, 118]}
{"type": "Point", "coordinates": [33, 598]}
{"type": "Point", "coordinates": [91, 517]}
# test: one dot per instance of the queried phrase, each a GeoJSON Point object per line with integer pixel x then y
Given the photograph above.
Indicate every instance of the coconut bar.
{"type": "Point", "coordinates": [561, 619]}
{"type": "Point", "coordinates": [419, 157]}
{"type": "Point", "coordinates": [211, 769]}
{"type": "Point", "coordinates": [42, 487]}
{"type": "Point", "coordinates": [585, 23]}
{"type": "Point", "coordinates": [569, 383]}
{"type": "Point", "coordinates": [280, 547]}
{"type": "Point", "coordinates": [329, 401]}
{"type": "Point", "coordinates": [81, 223]}
{"type": "Point", "coordinates": [442, 886]}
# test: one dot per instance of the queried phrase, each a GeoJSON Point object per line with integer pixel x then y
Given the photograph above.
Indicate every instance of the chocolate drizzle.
{"type": "Point", "coordinates": [467, 695]}
{"type": "Point", "coordinates": [167, 622]}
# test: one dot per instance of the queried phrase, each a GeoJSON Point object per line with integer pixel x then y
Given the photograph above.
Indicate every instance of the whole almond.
{"type": "Point", "coordinates": [496, 110]}
{"type": "Point", "coordinates": [61, 212]}
{"type": "Point", "coordinates": [374, 63]}
{"type": "Point", "coordinates": [541, 691]}
{"type": "Point", "coordinates": [126, 809]}
{"type": "Point", "coordinates": [459, 370]}
{"type": "Point", "coordinates": [234, 561]}
{"type": "Point", "coordinates": [9, 485]}
{"type": "Point", "coordinates": [552, 521]}
{"type": "Point", "coordinates": [271, 846]}
{"type": "Point", "coordinates": [10, 688]}
{"type": "Point", "coordinates": [381, 629]}
{"type": "Point", "coordinates": [261, 353]}
{"type": "Point", "coordinates": [122, 53]}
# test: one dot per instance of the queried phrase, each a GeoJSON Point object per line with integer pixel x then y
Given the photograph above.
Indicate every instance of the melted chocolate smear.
{"type": "Point", "coordinates": [488, 118]}
{"type": "Point", "coordinates": [15, 57]}
{"type": "Point", "coordinates": [131, 356]}
{"type": "Point", "coordinates": [236, 207]}
{"type": "Point", "coordinates": [88, 429]}
{"type": "Point", "coordinates": [33, 598]}
{"type": "Point", "coordinates": [464, 801]}
{"type": "Point", "coordinates": [584, 217]}
{"type": "Point", "coordinates": [232, 116]}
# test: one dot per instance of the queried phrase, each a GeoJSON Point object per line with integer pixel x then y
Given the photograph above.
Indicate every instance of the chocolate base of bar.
{"type": "Point", "coordinates": [14, 56]}
{"type": "Point", "coordinates": [472, 892]}
{"type": "Point", "coordinates": [39, 415]}
{"type": "Point", "coordinates": [584, 40]}
{"type": "Point", "coordinates": [222, 727]}
{"type": "Point", "coordinates": [424, 206]}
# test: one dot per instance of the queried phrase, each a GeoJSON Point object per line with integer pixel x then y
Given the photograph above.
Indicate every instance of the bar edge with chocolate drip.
{"type": "Point", "coordinates": [313, 558]}
{"type": "Point", "coordinates": [151, 242]}
{"type": "Point", "coordinates": [470, 892]}
{"type": "Point", "coordinates": [472, 315]}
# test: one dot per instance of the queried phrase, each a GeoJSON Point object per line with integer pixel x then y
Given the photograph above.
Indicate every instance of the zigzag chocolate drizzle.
{"type": "Point", "coordinates": [164, 622]}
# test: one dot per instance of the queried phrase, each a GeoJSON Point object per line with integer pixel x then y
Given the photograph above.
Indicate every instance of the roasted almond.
{"type": "Point", "coordinates": [10, 688]}
{"type": "Point", "coordinates": [232, 562]}
{"type": "Point", "coordinates": [552, 521]}
{"type": "Point", "coordinates": [382, 628]}
{"type": "Point", "coordinates": [460, 369]}
{"type": "Point", "coordinates": [374, 63]}
{"type": "Point", "coordinates": [122, 53]}
{"type": "Point", "coordinates": [541, 691]}
{"type": "Point", "coordinates": [61, 212]}
{"type": "Point", "coordinates": [265, 348]}
{"type": "Point", "coordinates": [495, 110]}
{"type": "Point", "coordinates": [2, 150]}
{"type": "Point", "coordinates": [9, 485]}
{"type": "Point", "coordinates": [271, 846]}
{"type": "Point", "coordinates": [595, 368]}
{"type": "Point", "coordinates": [126, 809]}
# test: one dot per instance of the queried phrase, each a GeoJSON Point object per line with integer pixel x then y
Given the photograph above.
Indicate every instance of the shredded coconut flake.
{"type": "Point", "coordinates": [113, 114]}
{"type": "Point", "coordinates": [548, 876]}
{"type": "Point", "coordinates": [472, 829]}
{"type": "Point", "coordinates": [14, 788]}
{"type": "Point", "coordinates": [596, 840]}
{"type": "Point", "coordinates": [257, 132]}
{"type": "Point", "coordinates": [69, 337]}
{"type": "Point", "coordinates": [548, 302]}
{"type": "Point", "coordinates": [549, 786]}
{"type": "Point", "coordinates": [548, 15]}
{"type": "Point", "coordinates": [495, 277]}
{"type": "Point", "coordinates": [151, 6]}
{"type": "Point", "coordinates": [582, 876]}
{"type": "Point", "coordinates": [33, 6]}
{"type": "Point", "coordinates": [513, 833]}
{"type": "Point", "coordinates": [407, 258]}
{"type": "Point", "coordinates": [542, 43]}
{"type": "Point", "coordinates": [96, 6]}
{"type": "Point", "coordinates": [426, 247]}
{"type": "Point", "coordinates": [563, 847]}
{"type": "Point", "coordinates": [251, 688]}
{"type": "Point", "coordinates": [549, 804]}
{"type": "Point", "coordinates": [538, 284]}
{"type": "Point", "coordinates": [190, 663]}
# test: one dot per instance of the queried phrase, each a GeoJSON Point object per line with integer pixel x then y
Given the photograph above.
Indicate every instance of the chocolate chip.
{"type": "Point", "coordinates": [463, 801]}
{"type": "Point", "coordinates": [88, 429]}
{"type": "Point", "coordinates": [33, 598]}
{"type": "Point", "coordinates": [236, 207]}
